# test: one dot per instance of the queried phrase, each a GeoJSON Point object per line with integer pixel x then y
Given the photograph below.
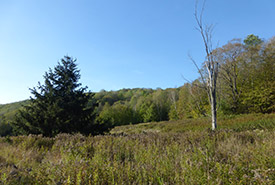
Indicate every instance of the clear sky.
{"type": "Point", "coordinates": [118, 43]}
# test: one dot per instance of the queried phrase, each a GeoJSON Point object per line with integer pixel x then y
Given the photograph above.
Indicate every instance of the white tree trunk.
{"type": "Point", "coordinates": [211, 64]}
{"type": "Point", "coordinates": [213, 109]}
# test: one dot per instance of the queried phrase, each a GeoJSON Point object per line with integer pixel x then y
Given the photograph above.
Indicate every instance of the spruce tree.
{"type": "Point", "coordinates": [60, 105]}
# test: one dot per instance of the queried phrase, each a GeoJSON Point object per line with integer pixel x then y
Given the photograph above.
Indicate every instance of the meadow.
{"type": "Point", "coordinates": [240, 151]}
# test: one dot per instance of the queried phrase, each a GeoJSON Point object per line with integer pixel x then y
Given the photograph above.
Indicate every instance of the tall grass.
{"type": "Point", "coordinates": [235, 122]}
{"type": "Point", "coordinates": [231, 155]}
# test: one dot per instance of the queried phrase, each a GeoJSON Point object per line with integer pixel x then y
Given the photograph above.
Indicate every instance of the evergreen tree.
{"type": "Point", "coordinates": [59, 105]}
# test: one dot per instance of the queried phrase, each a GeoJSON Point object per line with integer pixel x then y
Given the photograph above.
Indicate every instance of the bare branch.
{"type": "Point", "coordinates": [200, 72]}
{"type": "Point", "coordinates": [211, 65]}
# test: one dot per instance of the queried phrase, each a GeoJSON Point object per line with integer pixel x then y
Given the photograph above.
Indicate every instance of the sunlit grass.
{"type": "Point", "coordinates": [235, 122]}
{"type": "Point", "coordinates": [241, 151]}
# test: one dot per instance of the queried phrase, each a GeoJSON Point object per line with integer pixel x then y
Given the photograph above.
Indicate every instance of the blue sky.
{"type": "Point", "coordinates": [118, 43]}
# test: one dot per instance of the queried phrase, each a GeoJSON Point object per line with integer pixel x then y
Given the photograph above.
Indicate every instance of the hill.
{"type": "Point", "coordinates": [10, 109]}
{"type": "Point", "coordinates": [7, 114]}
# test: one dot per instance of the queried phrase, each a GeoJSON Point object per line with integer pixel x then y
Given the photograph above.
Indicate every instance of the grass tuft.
{"type": "Point", "coordinates": [241, 151]}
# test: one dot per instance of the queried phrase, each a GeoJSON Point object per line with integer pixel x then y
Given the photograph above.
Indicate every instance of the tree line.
{"type": "Point", "coordinates": [246, 84]}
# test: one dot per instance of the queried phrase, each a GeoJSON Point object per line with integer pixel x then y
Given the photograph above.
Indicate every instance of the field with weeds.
{"type": "Point", "coordinates": [241, 151]}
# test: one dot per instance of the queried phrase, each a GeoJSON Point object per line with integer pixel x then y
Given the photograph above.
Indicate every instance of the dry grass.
{"type": "Point", "coordinates": [231, 155]}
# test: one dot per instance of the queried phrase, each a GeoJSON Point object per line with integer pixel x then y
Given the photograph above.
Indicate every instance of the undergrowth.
{"type": "Point", "coordinates": [241, 151]}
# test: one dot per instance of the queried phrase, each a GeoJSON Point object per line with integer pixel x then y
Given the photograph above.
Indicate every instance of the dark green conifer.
{"type": "Point", "coordinates": [60, 105]}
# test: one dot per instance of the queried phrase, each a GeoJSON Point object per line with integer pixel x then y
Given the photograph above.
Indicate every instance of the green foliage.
{"type": "Point", "coordinates": [9, 110]}
{"type": "Point", "coordinates": [260, 99]}
{"type": "Point", "coordinates": [259, 89]}
{"type": "Point", "coordinates": [245, 85]}
{"type": "Point", "coordinates": [252, 40]}
{"type": "Point", "coordinates": [138, 105]}
{"type": "Point", "coordinates": [192, 101]}
{"type": "Point", "coordinates": [118, 114]}
{"type": "Point", "coordinates": [148, 111]}
{"type": "Point", "coordinates": [59, 106]}
{"type": "Point", "coordinates": [7, 115]}
{"type": "Point", "coordinates": [5, 129]}
{"type": "Point", "coordinates": [247, 76]}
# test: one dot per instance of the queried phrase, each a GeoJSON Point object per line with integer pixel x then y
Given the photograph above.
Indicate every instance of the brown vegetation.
{"type": "Point", "coordinates": [242, 152]}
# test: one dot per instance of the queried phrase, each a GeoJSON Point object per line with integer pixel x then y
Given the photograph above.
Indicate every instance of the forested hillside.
{"type": "Point", "coordinates": [7, 114]}
{"type": "Point", "coordinates": [147, 93]}
{"type": "Point", "coordinates": [246, 84]}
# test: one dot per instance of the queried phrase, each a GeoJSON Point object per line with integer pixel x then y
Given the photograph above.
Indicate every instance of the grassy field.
{"type": "Point", "coordinates": [241, 151]}
{"type": "Point", "coordinates": [234, 123]}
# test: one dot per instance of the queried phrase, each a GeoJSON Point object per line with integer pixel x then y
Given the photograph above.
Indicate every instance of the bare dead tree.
{"type": "Point", "coordinates": [211, 65]}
